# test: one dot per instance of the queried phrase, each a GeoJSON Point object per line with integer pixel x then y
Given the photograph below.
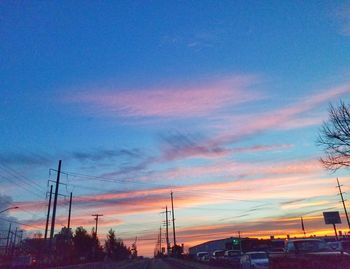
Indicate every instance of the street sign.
{"type": "Point", "coordinates": [332, 217]}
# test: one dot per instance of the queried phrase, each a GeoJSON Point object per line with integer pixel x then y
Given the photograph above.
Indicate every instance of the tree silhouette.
{"type": "Point", "coordinates": [335, 138]}
{"type": "Point", "coordinates": [87, 247]}
{"type": "Point", "coordinates": [115, 248]}
{"type": "Point", "coordinates": [64, 246]}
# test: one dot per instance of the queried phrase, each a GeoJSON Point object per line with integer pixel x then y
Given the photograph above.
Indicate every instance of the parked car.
{"type": "Point", "coordinates": [340, 245]}
{"type": "Point", "coordinates": [202, 256]}
{"type": "Point", "coordinates": [233, 258]}
{"type": "Point", "coordinates": [218, 256]}
{"type": "Point", "coordinates": [255, 260]}
{"type": "Point", "coordinates": [309, 254]}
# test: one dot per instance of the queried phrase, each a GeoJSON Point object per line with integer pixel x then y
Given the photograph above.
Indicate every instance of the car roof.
{"type": "Point", "coordinates": [255, 252]}
{"type": "Point", "coordinates": [305, 239]}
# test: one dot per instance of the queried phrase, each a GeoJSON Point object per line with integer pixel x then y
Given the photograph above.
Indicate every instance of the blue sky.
{"type": "Point", "coordinates": [202, 97]}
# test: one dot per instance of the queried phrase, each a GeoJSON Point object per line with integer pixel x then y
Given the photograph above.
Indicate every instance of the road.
{"type": "Point", "coordinates": [167, 263]}
{"type": "Point", "coordinates": [146, 263]}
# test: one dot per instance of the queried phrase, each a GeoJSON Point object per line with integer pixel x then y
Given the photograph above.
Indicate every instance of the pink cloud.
{"type": "Point", "coordinates": [298, 115]}
{"type": "Point", "coordinates": [186, 101]}
{"type": "Point", "coordinates": [115, 206]}
{"type": "Point", "coordinates": [291, 116]}
{"type": "Point", "coordinates": [151, 200]}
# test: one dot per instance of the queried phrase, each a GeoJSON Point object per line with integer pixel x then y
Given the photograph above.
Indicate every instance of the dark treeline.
{"type": "Point", "coordinates": [70, 247]}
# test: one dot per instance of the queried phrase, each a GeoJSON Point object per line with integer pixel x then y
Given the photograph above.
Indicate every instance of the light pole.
{"type": "Point", "coordinates": [14, 207]}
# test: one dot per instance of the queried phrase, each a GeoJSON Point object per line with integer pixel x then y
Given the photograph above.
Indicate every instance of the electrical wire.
{"type": "Point", "coordinates": [20, 223]}
{"type": "Point", "coordinates": [21, 186]}
{"type": "Point", "coordinates": [21, 177]}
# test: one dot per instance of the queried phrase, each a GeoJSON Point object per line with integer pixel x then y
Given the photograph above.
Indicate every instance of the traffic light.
{"type": "Point", "coordinates": [235, 241]}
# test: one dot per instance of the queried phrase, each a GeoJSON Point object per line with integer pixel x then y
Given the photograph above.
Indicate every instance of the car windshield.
{"type": "Point", "coordinates": [311, 246]}
{"type": "Point", "coordinates": [256, 256]}
{"type": "Point", "coordinates": [233, 253]}
{"type": "Point", "coordinates": [219, 253]}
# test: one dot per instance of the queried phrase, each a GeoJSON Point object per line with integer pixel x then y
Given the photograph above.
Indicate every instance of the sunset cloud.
{"type": "Point", "coordinates": [151, 200]}
{"type": "Point", "coordinates": [169, 101]}
{"type": "Point", "coordinates": [250, 124]}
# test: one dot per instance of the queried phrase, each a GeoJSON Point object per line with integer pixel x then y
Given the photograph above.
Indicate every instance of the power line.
{"type": "Point", "coordinates": [107, 179]}
{"type": "Point", "coordinates": [20, 223]}
{"type": "Point", "coordinates": [21, 186]}
{"type": "Point", "coordinates": [24, 178]}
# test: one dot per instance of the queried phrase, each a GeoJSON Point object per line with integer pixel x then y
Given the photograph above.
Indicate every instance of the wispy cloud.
{"type": "Point", "coordinates": [150, 200]}
{"type": "Point", "coordinates": [342, 17]}
{"type": "Point", "coordinates": [169, 101]}
{"type": "Point", "coordinates": [14, 158]}
{"type": "Point", "coordinates": [179, 145]}
{"type": "Point", "coordinates": [106, 154]}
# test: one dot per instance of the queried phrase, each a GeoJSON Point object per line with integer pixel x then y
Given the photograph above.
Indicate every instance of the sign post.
{"type": "Point", "coordinates": [333, 218]}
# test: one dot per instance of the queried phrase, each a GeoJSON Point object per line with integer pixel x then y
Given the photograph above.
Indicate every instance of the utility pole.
{"type": "Point", "coordinates": [302, 226]}
{"type": "Point", "coordinates": [8, 239]}
{"type": "Point", "coordinates": [172, 213]}
{"type": "Point", "coordinates": [48, 214]}
{"type": "Point", "coordinates": [96, 219]}
{"type": "Point", "coordinates": [14, 242]}
{"type": "Point", "coordinates": [167, 229]}
{"type": "Point", "coordinates": [55, 202]}
{"type": "Point", "coordinates": [160, 239]}
{"type": "Point", "coordinates": [11, 243]}
{"type": "Point", "coordinates": [70, 210]}
{"type": "Point", "coordinates": [21, 236]}
{"type": "Point", "coordinates": [240, 241]}
{"type": "Point", "coordinates": [343, 201]}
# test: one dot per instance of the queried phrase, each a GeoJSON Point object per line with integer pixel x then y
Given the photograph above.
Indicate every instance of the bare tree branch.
{"type": "Point", "coordinates": [334, 138]}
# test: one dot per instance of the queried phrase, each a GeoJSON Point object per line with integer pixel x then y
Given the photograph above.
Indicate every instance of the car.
{"type": "Point", "coordinates": [202, 256]}
{"type": "Point", "coordinates": [310, 254]}
{"type": "Point", "coordinates": [254, 260]}
{"type": "Point", "coordinates": [233, 257]}
{"type": "Point", "coordinates": [217, 256]}
{"type": "Point", "coordinates": [340, 245]}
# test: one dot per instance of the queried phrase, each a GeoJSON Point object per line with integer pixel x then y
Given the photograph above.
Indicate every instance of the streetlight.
{"type": "Point", "coordinates": [14, 207]}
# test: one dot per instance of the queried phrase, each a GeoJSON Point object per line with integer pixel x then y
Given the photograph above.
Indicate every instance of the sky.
{"type": "Point", "coordinates": [220, 102]}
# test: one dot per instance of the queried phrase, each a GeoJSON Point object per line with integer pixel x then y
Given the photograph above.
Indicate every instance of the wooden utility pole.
{"type": "Point", "coordinates": [172, 213]}
{"type": "Point", "coordinates": [96, 219]}
{"type": "Point", "coordinates": [302, 226]}
{"type": "Point", "coordinates": [160, 239]}
{"type": "Point", "coordinates": [14, 242]}
{"type": "Point", "coordinates": [70, 209]}
{"type": "Point", "coordinates": [55, 201]}
{"type": "Point", "coordinates": [343, 201]}
{"type": "Point", "coordinates": [48, 214]}
{"type": "Point", "coordinates": [167, 229]}
{"type": "Point", "coordinates": [8, 239]}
